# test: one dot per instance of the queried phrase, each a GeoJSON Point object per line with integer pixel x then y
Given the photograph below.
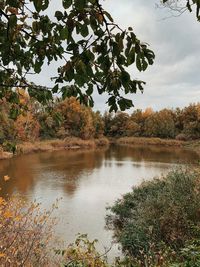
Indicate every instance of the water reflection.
{"type": "Point", "coordinates": [87, 181]}
{"type": "Point", "coordinates": [152, 153]}
{"type": "Point", "coordinates": [61, 169]}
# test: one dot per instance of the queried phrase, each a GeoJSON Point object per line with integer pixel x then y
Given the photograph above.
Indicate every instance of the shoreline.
{"type": "Point", "coordinates": [149, 141]}
{"type": "Point", "coordinates": [70, 143]}
{"type": "Point", "coordinates": [73, 143]}
{"type": "Point", "coordinates": [193, 145]}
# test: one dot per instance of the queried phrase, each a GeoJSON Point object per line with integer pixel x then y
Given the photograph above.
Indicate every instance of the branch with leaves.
{"type": "Point", "coordinates": [93, 51]}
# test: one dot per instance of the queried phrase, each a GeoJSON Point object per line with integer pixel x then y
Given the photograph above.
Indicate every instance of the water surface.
{"type": "Point", "coordinates": [87, 182]}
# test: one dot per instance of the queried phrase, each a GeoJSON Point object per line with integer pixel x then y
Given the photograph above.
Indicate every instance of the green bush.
{"type": "Point", "coordinates": [159, 218]}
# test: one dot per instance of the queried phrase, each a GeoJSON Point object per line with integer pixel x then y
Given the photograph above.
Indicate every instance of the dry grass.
{"type": "Point", "coordinates": [5, 155]}
{"type": "Point", "coordinates": [103, 141]}
{"type": "Point", "coordinates": [149, 141]}
{"type": "Point", "coordinates": [194, 145]}
{"type": "Point", "coordinates": [57, 144]}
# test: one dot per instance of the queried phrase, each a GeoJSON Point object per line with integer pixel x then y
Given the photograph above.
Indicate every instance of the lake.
{"type": "Point", "coordinates": [86, 182]}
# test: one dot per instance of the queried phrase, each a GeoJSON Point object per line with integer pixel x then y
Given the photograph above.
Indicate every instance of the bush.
{"type": "Point", "coordinates": [182, 137]}
{"type": "Point", "coordinates": [158, 217]}
{"type": "Point", "coordinates": [83, 253]}
{"type": "Point", "coordinates": [25, 233]}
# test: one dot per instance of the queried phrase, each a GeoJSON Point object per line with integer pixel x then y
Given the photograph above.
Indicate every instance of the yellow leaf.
{"type": "Point", "coordinates": [2, 201]}
{"type": "Point", "coordinates": [18, 218]}
{"type": "Point", "coordinates": [2, 255]}
{"type": "Point", "coordinates": [6, 178]}
{"type": "Point", "coordinates": [7, 214]}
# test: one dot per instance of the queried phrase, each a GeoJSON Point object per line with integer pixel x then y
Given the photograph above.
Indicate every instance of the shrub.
{"type": "Point", "coordinates": [182, 137]}
{"type": "Point", "coordinates": [83, 253]}
{"type": "Point", "coordinates": [25, 233]}
{"type": "Point", "coordinates": [159, 215]}
{"type": "Point", "coordinates": [160, 124]}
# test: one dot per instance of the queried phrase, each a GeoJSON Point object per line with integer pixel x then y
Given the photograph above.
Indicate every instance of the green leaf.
{"type": "Point", "coordinates": [58, 15]}
{"type": "Point", "coordinates": [12, 21]}
{"type": "Point", "coordinates": [37, 66]}
{"type": "Point", "coordinates": [12, 3]}
{"type": "Point", "coordinates": [189, 6]}
{"type": "Point", "coordinates": [67, 3]}
{"type": "Point", "coordinates": [84, 30]}
{"type": "Point", "coordinates": [55, 88]}
{"type": "Point", "coordinates": [64, 33]}
{"type": "Point", "coordinates": [14, 113]}
{"type": "Point", "coordinates": [125, 77]}
{"type": "Point", "coordinates": [122, 104]}
{"type": "Point", "coordinates": [37, 5]}
{"type": "Point", "coordinates": [108, 16]}
{"type": "Point", "coordinates": [35, 27]}
{"type": "Point", "coordinates": [89, 91]}
{"type": "Point", "coordinates": [138, 62]}
{"type": "Point", "coordinates": [80, 4]}
{"type": "Point", "coordinates": [144, 64]}
{"type": "Point", "coordinates": [131, 57]}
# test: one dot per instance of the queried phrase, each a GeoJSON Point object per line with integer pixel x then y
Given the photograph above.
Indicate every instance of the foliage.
{"type": "Point", "coordinates": [98, 124]}
{"type": "Point", "coordinates": [77, 120]}
{"type": "Point", "coordinates": [160, 124]}
{"type": "Point", "coordinates": [160, 216]}
{"type": "Point", "coordinates": [183, 124]}
{"type": "Point", "coordinates": [191, 121]}
{"type": "Point", "coordinates": [63, 119]}
{"type": "Point", "coordinates": [82, 253]}
{"type": "Point", "coordinates": [7, 129]}
{"type": "Point", "coordinates": [25, 233]}
{"type": "Point", "coordinates": [93, 50]}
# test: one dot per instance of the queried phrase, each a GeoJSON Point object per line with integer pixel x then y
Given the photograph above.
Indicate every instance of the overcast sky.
{"type": "Point", "coordinates": [174, 79]}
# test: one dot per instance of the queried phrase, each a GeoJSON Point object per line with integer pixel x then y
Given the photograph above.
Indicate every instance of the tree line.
{"type": "Point", "coordinates": [182, 124]}
{"type": "Point", "coordinates": [28, 120]}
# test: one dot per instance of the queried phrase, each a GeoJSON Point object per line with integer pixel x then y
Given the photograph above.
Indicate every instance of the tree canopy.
{"type": "Point", "coordinates": [93, 50]}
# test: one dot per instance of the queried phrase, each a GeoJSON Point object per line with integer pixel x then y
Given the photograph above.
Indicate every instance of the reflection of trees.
{"type": "Point", "coordinates": [28, 170]}
{"type": "Point", "coordinates": [75, 164]}
{"type": "Point", "coordinates": [66, 169]}
{"type": "Point", "coordinates": [19, 170]}
{"type": "Point", "coordinates": [151, 153]}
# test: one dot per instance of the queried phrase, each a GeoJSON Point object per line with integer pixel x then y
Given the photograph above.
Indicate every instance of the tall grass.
{"type": "Point", "coordinates": [148, 141]}
{"type": "Point", "coordinates": [57, 144]}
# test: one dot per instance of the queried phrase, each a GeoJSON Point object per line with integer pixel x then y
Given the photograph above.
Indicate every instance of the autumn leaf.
{"type": "Point", "coordinates": [6, 178]}
{"type": "Point", "coordinates": [12, 10]}
{"type": "Point", "coordinates": [8, 214]}
{"type": "Point", "coordinates": [2, 201]}
{"type": "Point", "coordinates": [2, 255]}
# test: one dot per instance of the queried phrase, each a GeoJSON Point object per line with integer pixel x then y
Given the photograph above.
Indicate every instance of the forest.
{"type": "Point", "coordinates": [28, 120]}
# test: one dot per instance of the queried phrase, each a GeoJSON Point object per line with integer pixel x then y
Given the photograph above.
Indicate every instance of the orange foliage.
{"type": "Point", "coordinates": [27, 127]}
{"type": "Point", "coordinates": [25, 233]}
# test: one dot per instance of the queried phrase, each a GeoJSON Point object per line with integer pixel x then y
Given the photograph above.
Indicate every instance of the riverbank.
{"type": "Point", "coordinates": [144, 141]}
{"type": "Point", "coordinates": [71, 143]}
{"type": "Point", "coordinates": [149, 141]}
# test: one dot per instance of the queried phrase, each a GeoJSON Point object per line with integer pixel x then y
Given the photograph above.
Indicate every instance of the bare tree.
{"type": "Point", "coordinates": [177, 7]}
